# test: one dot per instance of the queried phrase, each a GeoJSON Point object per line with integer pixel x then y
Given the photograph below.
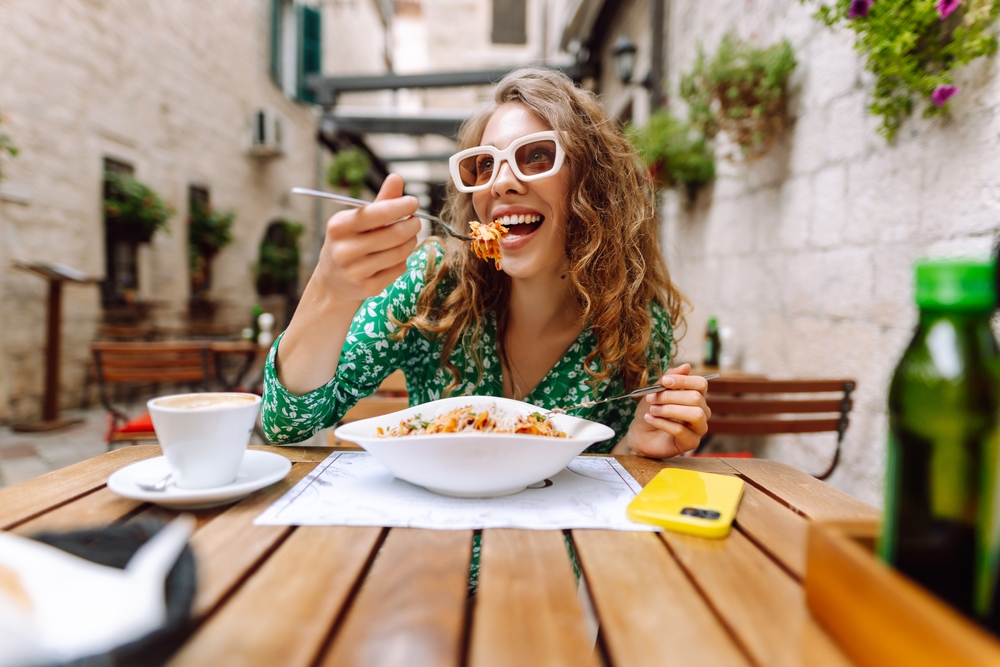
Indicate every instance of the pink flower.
{"type": "Point", "coordinates": [859, 9]}
{"type": "Point", "coordinates": [943, 92]}
{"type": "Point", "coordinates": [946, 7]}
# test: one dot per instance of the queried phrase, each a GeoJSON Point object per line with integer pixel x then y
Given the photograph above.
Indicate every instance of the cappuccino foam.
{"type": "Point", "coordinates": [205, 401]}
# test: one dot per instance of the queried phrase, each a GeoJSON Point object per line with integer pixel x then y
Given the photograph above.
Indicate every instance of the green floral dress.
{"type": "Point", "coordinates": [370, 355]}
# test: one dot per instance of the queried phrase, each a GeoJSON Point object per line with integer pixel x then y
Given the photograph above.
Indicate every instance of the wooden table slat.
{"type": "Point", "coordinates": [296, 454]}
{"type": "Point", "coordinates": [411, 608]}
{"type": "Point", "coordinates": [35, 496]}
{"type": "Point", "coordinates": [279, 619]}
{"type": "Point", "coordinates": [815, 499]}
{"type": "Point", "coordinates": [781, 532]}
{"type": "Point", "coordinates": [227, 547]}
{"type": "Point", "coordinates": [763, 606]}
{"type": "Point", "coordinates": [94, 510]}
{"type": "Point", "coordinates": [650, 613]}
{"type": "Point", "coordinates": [527, 610]}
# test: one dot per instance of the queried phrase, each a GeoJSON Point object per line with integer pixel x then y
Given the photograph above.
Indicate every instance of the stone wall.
{"type": "Point", "coordinates": [807, 253]}
{"type": "Point", "coordinates": [169, 88]}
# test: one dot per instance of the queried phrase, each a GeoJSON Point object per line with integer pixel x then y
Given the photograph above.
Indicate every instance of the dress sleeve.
{"type": "Point", "coordinates": [368, 356]}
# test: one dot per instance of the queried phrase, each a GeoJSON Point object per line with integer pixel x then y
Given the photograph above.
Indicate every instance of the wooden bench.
{"type": "Point", "coordinates": [130, 365]}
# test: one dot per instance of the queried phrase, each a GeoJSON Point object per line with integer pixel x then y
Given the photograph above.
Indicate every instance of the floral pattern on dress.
{"type": "Point", "coordinates": [369, 355]}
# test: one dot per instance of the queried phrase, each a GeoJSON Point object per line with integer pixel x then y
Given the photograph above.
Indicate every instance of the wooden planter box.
{"type": "Point", "coordinates": [878, 616]}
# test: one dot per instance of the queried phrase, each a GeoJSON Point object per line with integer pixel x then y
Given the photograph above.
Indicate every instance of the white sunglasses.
{"type": "Point", "coordinates": [531, 157]}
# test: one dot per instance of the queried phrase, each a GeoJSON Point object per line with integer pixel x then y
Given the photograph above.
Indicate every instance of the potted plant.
{"type": "Point", "coordinates": [209, 231]}
{"type": "Point", "coordinates": [676, 153]}
{"type": "Point", "coordinates": [132, 209]}
{"type": "Point", "coordinates": [742, 91]}
{"type": "Point", "coordinates": [277, 269]}
{"type": "Point", "coordinates": [348, 170]}
{"type": "Point", "coordinates": [914, 48]}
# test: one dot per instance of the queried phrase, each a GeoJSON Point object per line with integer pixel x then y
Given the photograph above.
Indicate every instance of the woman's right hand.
{"type": "Point", "coordinates": [362, 252]}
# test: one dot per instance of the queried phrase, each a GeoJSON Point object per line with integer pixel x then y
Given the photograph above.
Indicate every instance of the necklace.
{"type": "Point", "coordinates": [515, 389]}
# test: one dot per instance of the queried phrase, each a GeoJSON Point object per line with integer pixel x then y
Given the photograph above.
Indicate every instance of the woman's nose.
{"type": "Point", "coordinates": [506, 180]}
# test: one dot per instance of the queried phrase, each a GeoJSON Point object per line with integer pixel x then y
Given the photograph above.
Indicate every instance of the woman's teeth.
{"type": "Point", "coordinates": [508, 220]}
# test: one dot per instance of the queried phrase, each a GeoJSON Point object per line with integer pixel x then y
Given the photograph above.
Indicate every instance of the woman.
{"type": "Point", "coordinates": [583, 306]}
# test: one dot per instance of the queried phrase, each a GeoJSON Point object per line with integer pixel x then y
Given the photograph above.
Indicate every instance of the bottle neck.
{"type": "Point", "coordinates": [929, 314]}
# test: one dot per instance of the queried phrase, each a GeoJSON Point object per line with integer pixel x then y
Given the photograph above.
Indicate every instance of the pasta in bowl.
{"type": "Point", "coordinates": [474, 446]}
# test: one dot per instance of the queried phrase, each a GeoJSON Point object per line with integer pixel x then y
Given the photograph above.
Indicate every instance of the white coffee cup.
{"type": "Point", "coordinates": [203, 436]}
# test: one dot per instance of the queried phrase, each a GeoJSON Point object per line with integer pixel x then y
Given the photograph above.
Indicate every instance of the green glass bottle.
{"type": "Point", "coordinates": [942, 519]}
{"type": "Point", "coordinates": [712, 345]}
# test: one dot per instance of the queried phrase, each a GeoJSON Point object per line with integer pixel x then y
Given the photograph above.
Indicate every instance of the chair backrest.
{"type": "Point", "coordinates": [136, 363]}
{"type": "Point", "coordinates": [180, 361]}
{"type": "Point", "coordinates": [759, 406]}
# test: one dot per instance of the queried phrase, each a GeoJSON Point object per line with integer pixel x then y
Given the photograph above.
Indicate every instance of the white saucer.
{"type": "Point", "coordinates": [257, 470]}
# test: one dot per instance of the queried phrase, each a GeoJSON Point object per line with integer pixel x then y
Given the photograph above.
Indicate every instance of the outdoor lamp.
{"type": "Point", "coordinates": [624, 52]}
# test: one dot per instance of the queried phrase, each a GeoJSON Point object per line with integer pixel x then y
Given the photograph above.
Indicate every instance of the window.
{"type": "Point", "coordinates": [296, 34]}
{"type": "Point", "coordinates": [509, 22]}
{"type": "Point", "coordinates": [120, 250]}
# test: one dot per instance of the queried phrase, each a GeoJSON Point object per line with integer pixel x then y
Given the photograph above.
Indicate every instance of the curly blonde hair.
{"type": "Point", "coordinates": [611, 240]}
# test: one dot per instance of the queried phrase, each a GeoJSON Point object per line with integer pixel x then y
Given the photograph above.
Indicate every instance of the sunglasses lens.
{"type": "Point", "coordinates": [536, 158]}
{"type": "Point", "coordinates": [476, 169]}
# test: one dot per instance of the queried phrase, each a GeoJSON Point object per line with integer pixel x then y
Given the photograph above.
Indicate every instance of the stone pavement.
{"type": "Point", "coordinates": [27, 455]}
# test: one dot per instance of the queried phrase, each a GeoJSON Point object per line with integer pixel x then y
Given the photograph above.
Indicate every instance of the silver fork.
{"type": "Point", "coordinates": [652, 389]}
{"type": "Point", "coordinates": [358, 203]}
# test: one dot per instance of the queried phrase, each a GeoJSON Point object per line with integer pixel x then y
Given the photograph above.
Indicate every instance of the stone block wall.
{"type": "Point", "coordinates": [169, 88]}
{"type": "Point", "coordinates": [807, 253]}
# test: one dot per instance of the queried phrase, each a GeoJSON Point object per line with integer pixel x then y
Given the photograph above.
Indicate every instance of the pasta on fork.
{"type": "Point", "coordinates": [486, 240]}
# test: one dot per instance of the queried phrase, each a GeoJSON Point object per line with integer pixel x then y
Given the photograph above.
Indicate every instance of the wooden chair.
{"type": "Point", "coordinates": [390, 397]}
{"type": "Point", "coordinates": [130, 365]}
{"type": "Point", "coordinates": [757, 406]}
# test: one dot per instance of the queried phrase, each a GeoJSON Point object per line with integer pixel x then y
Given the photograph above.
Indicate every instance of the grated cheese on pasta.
{"type": "Point", "coordinates": [467, 419]}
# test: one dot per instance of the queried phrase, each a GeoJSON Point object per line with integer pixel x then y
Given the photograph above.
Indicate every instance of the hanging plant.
{"type": "Point", "coordinates": [676, 153]}
{"type": "Point", "coordinates": [209, 231]}
{"type": "Point", "coordinates": [6, 145]}
{"type": "Point", "coordinates": [348, 170]}
{"type": "Point", "coordinates": [742, 91]}
{"type": "Point", "coordinates": [134, 208]}
{"type": "Point", "coordinates": [913, 48]}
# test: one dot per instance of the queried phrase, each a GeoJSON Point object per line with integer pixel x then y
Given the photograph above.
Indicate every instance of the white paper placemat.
{"type": "Point", "coordinates": [353, 489]}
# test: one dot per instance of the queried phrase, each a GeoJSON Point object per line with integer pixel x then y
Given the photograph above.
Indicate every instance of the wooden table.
{"type": "Point", "coordinates": [275, 595]}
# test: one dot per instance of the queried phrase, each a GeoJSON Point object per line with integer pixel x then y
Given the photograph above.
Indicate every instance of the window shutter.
{"type": "Point", "coordinates": [276, 41]}
{"type": "Point", "coordinates": [310, 54]}
{"type": "Point", "coordinates": [510, 22]}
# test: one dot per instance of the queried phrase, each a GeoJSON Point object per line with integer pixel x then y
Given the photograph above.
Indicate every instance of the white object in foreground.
{"type": "Point", "coordinates": [75, 608]}
{"type": "Point", "coordinates": [353, 489]}
{"type": "Point", "coordinates": [473, 465]}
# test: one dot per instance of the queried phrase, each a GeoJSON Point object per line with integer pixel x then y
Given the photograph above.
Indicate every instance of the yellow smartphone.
{"type": "Point", "coordinates": [697, 503]}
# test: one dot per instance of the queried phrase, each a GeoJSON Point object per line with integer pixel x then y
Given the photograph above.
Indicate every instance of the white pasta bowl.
{"type": "Point", "coordinates": [472, 464]}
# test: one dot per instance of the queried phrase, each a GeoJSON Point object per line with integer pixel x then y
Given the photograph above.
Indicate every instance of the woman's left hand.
{"type": "Point", "coordinates": [669, 422]}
